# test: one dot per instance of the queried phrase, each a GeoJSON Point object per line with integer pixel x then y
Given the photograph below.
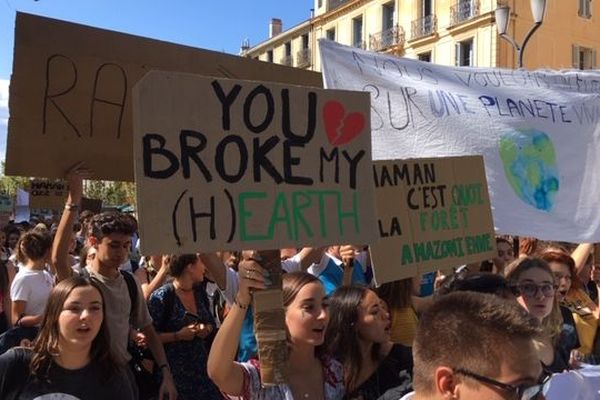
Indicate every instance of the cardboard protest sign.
{"type": "Point", "coordinates": [47, 194]}
{"type": "Point", "coordinates": [249, 165]}
{"type": "Point", "coordinates": [431, 213]}
{"type": "Point", "coordinates": [538, 132]}
{"type": "Point", "coordinates": [70, 93]}
{"type": "Point", "coordinates": [93, 205]}
{"type": "Point", "coordinates": [269, 322]}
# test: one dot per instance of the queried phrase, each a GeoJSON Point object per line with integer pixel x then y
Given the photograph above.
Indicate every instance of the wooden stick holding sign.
{"type": "Point", "coordinates": [269, 323]}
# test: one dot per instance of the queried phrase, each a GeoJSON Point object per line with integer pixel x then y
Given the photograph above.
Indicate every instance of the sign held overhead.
{"type": "Point", "coordinates": [235, 164]}
{"type": "Point", "coordinates": [70, 93]}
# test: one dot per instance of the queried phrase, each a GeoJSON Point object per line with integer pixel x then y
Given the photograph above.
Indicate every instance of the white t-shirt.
{"type": "Point", "coordinates": [408, 396]}
{"type": "Point", "coordinates": [32, 287]}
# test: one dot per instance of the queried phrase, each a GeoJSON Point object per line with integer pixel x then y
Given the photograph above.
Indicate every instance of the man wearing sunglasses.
{"type": "Point", "coordinates": [475, 346]}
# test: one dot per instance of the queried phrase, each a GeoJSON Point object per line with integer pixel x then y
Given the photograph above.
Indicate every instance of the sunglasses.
{"type": "Point", "coordinates": [519, 392]}
{"type": "Point", "coordinates": [531, 289]}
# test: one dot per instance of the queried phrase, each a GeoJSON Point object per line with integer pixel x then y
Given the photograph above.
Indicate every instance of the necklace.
{"type": "Point", "coordinates": [178, 287]}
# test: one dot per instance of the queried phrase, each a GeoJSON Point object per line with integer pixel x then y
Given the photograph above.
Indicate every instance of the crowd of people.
{"type": "Point", "coordinates": [84, 314]}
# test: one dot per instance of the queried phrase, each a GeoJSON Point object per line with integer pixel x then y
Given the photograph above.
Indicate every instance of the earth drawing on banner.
{"type": "Point", "coordinates": [529, 162]}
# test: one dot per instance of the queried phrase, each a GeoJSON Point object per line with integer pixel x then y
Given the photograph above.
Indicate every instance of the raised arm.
{"type": "Point", "coordinates": [222, 368]}
{"type": "Point", "coordinates": [217, 271]}
{"type": "Point", "coordinates": [309, 256]}
{"type": "Point", "coordinates": [62, 239]}
{"type": "Point", "coordinates": [161, 276]}
{"type": "Point", "coordinates": [580, 256]}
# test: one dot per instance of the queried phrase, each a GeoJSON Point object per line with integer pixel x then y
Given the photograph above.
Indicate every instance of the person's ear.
{"type": "Point", "coordinates": [446, 383]}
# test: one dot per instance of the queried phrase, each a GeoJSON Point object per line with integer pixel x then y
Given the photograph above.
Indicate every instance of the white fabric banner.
{"type": "Point", "coordinates": [538, 132]}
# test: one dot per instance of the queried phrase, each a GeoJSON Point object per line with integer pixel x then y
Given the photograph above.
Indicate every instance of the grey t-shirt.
{"type": "Point", "coordinates": [117, 312]}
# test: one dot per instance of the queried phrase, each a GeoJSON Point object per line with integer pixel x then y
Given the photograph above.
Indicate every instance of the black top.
{"type": "Point", "coordinates": [568, 341]}
{"type": "Point", "coordinates": [391, 380]}
{"type": "Point", "coordinates": [16, 382]}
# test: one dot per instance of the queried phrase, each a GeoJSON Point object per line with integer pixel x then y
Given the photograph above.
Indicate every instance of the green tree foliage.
{"type": "Point", "coordinates": [111, 193]}
{"type": "Point", "coordinates": [9, 184]}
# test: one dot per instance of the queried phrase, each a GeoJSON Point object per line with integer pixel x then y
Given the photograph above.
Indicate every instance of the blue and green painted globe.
{"type": "Point", "coordinates": [530, 166]}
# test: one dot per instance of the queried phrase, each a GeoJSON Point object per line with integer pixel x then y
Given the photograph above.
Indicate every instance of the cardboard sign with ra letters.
{"type": "Point", "coordinates": [70, 93]}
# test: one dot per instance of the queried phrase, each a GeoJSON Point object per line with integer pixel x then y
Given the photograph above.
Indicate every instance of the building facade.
{"type": "Point", "coordinates": [446, 32]}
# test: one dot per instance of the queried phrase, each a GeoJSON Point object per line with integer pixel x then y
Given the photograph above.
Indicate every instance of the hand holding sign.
{"type": "Point", "coordinates": [251, 277]}
{"type": "Point", "coordinates": [75, 176]}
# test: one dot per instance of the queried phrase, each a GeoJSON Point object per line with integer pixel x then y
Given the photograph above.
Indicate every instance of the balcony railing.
{"type": "Point", "coordinates": [423, 26]}
{"type": "Point", "coordinates": [463, 11]}
{"type": "Point", "coordinates": [286, 60]}
{"type": "Point", "coordinates": [361, 44]}
{"type": "Point", "coordinates": [387, 38]}
{"type": "Point", "coordinates": [303, 58]}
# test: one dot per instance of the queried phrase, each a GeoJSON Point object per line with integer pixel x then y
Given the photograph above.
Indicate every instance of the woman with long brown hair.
{"type": "Point", "coordinates": [583, 313]}
{"type": "Point", "coordinates": [358, 335]}
{"type": "Point", "coordinates": [71, 354]}
{"type": "Point", "coordinates": [535, 288]}
{"type": "Point", "coordinates": [311, 374]}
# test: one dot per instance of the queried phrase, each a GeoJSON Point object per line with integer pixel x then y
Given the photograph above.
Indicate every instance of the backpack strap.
{"type": "Point", "coordinates": [169, 302]}
{"type": "Point", "coordinates": [132, 289]}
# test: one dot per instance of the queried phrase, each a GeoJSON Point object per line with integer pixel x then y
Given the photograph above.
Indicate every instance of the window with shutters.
{"type": "Point", "coordinates": [464, 53]}
{"type": "Point", "coordinates": [585, 8]}
{"type": "Point", "coordinates": [357, 33]}
{"type": "Point", "coordinates": [584, 57]}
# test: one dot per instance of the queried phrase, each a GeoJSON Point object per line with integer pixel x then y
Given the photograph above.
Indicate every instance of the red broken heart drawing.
{"type": "Point", "coordinates": [341, 128]}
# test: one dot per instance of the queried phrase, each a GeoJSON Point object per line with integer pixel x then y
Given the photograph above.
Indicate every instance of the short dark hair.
{"type": "Point", "coordinates": [177, 263]}
{"type": "Point", "coordinates": [107, 223]}
{"type": "Point", "coordinates": [34, 245]}
{"type": "Point", "coordinates": [501, 239]}
{"type": "Point", "coordinates": [482, 282]}
{"type": "Point", "coordinates": [468, 330]}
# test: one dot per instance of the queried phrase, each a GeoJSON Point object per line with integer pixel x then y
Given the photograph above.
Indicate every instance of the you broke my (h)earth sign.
{"type": "Point", "coordinates": [241, 164]}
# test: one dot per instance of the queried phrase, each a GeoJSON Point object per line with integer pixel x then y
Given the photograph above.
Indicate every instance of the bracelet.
{"type": "Point", "coordinates": [176, 339]}
{"type": "Point", "coordinates": [18, 323]}
{"type": "Point", "coordinates": [71, 207]}
{"type": "Point", "coordinates": [240, 305]}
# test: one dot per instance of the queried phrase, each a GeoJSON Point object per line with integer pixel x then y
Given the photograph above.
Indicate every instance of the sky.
{"type": "Point", "coordinates": [209, 24]}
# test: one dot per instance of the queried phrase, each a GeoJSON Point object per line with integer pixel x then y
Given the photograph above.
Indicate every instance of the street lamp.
{"type": "Point", "coordinates": [538, 8]}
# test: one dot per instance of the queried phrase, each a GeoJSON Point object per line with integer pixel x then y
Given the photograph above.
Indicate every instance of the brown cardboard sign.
{"type": "Point", "coordinates": [431, 213]}
{"type": "Point", "coordinates": [233, 164]}
{"type": "Point", "coordinates": [47, 194]}
{"type": "Point", "coordinates": [269, 322]}
{"type": "Point", "coordinates": [93, 205]}
{"type": "Point", "coordinates": [70, 93]}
